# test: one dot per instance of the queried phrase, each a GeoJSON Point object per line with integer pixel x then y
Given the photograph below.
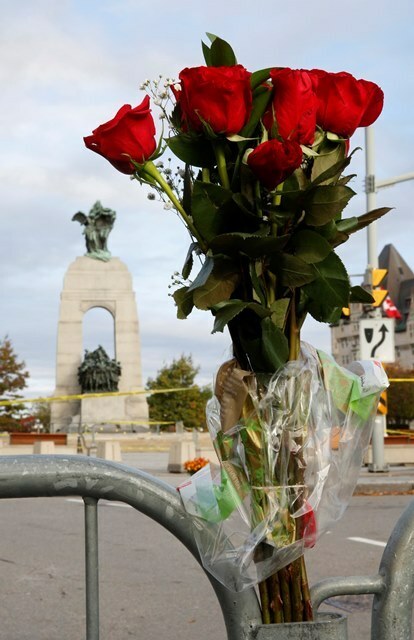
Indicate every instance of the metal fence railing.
{"type": "Point", "coordinates": [94, 479]}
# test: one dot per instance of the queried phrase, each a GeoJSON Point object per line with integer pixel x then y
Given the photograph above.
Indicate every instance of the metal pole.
{"type": "Point", "coordinates": [378, 457]}
{"type": "Point", "coordinates": [91, 568]}
{"type": "Point", "coordinates": [371, 197]}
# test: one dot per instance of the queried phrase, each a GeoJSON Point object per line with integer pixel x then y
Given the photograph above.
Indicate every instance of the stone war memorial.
{"type": "Point", "coordinates": [98, 280]}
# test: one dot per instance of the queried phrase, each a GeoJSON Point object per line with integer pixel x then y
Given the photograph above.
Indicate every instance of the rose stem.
{"type": "Point", "coordinates": [205, 173]}
{"type": "Point", "coordinates": [221, 164]}
{"type": "Point", "coordinates": [264, 598]}
{"type": "Point", "coordinates": [294, 347]}
{"type": "Point", "coordinates": [276, 599]}
{"type": "Point", "coordinates": [284, 580]}
{"type": "Point", "coordinates": [150, 169]}
{"type": "Point", "coordinates": [296, 592]}
{"type": "Point", "coordinates": [307, 603]}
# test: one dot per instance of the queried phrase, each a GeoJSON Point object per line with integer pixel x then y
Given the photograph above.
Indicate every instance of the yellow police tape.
{"type": "Point", "coordinates": [142, 422]}
{"type": "Point", "coordinates": [147, 392]}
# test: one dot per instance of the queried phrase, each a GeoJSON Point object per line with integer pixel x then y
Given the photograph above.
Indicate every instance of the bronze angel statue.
{"type": "Point", "coordinates": [97, 226]}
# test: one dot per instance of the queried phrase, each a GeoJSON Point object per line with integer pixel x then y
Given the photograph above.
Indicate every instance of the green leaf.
{"type": "Point", "coordinates": [359, 294]}
{"type": "Point", "coordinates": [345, 179]}
{"type": "Point", "coordinates": [328, 230]}
{"type": "Point", "coordinates": [221, 54]}
{"type": "Point", "coordinates": [203, 274]}
{"type": "Point", "coordinates": [252, 245]}
{"type": "Point", "coordinates": [256, 284]}
{"type": "Point", "coordinates": [196, 151]}
{"type": "Point", "coordinates": [330, 290]}
{"type": "Point", "coordinates": [206, 54]}
{"type": "Point", "coordinates": [258, 77]}
{"type": "Point", "coordinates": [329, 154]}
{"type": "Point", "coordinates": [275, 346]}
{"type": "Point", "coordinates": [224, 312]}
{"type": "Point", "coordinates": [260, 101]}
{"type": "Point", "coordinates": [325, 202]}
{"type": "Point", "coordinates": [332, 172]}
{"type": "Point", "coordinates": [279, 310]}
{"type": "Point", "coordinates": [371, 216]}
{"type": "Point", "coordinates": [292, 271]}
{"type": "Point", "coordinates": [351, 225]}
{"type": "Point", "coordinates": [207, 198]}
{"type": "Point", "coordinates": [219, 286]}
{"type": "Point", "coordinates": [347, 225]}
{"type": "Point", "coordinates": [310, 246]}
{"type": "Point", "coordinates": [184, 301]}
{"type": "Point", "coordinates": [188, 262]}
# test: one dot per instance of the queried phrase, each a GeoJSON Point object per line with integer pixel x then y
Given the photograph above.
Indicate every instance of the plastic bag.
{"type": "Point", "coordinates": [290, 450]}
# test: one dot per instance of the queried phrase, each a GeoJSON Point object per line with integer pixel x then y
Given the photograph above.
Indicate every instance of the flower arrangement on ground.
{"type": "Point", "coordinates": [262, 192]}
{"type": "Point", "coordinates": [192, 466]}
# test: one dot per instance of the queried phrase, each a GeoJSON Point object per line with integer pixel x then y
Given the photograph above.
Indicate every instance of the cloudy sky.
{"type": "Point", "coordinates": [68, 65]}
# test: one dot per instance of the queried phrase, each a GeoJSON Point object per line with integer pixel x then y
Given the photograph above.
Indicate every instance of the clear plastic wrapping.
{"type": "Point", "coordinates": [290, 450]}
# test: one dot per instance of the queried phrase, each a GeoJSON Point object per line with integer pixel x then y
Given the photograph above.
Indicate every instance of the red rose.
{"type": "Point", "coordinates": [220, 96]}
{"type": "Point", "coordinates": [273, 161]}
{"type": "Point", "coordinates": [130, 133]}
{"type": "Point", "coordinates": [345, 103]}
{"type": "Point", "coordinates": [293, 105]}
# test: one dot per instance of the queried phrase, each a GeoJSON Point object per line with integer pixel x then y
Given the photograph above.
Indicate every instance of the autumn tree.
{"type": "Point", "coordinates": [13, 376]}
{"type": "Point", "coordinates": [400, 397]}
{"type": "Point", "coordinates": [186, 406]}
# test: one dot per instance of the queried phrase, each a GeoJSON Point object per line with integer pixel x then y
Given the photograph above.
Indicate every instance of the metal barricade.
{"type": "Point", "coordinates": [94, 479]}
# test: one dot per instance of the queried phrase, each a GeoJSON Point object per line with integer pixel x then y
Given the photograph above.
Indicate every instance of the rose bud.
{"type": "Point", "coordinates": [273, 161]}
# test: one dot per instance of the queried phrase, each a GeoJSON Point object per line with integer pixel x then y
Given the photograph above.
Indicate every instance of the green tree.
{"type": "Point", "coordinates": [13, 376]}
{"type": "Point", "coordinates": [400, 397]}
{"type": "Point", "coordinates": [187, 406]}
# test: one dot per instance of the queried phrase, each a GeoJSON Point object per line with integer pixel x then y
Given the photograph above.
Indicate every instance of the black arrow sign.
{"type": "Point", "coordinates": [382, 330]}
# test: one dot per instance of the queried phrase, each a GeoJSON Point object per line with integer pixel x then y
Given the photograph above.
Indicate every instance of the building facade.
{"type": "Point", "coordinates": [400, 285]}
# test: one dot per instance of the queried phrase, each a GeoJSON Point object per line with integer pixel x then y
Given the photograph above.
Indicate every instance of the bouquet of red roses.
{"type": "Point", "coordinates": [261, 191]}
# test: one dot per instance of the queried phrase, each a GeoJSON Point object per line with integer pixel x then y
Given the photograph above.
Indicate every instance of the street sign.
{"type": "Point", "coordinates": [378, 276]}
{"type": "Point", "coordinates": [376, 339]}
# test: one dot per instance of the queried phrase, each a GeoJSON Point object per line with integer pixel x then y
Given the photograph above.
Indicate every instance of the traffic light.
{"type": "Point", "coordinates": [376, 277]}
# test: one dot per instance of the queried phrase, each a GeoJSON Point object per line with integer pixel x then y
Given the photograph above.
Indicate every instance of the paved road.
{"type": "Point", "coordinates": [151, 587]}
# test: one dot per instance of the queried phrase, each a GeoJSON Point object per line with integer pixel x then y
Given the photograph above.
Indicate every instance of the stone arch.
{"type": "Point", "coordinates": [98, 329]}
{"type": "Point", "coordinates": [90, 283]}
